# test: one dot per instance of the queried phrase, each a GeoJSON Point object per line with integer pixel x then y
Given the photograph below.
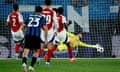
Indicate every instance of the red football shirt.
{"type": "Point", "coordinates": [61, 21]}
{"type": "Point", "coordinates": [15, 18]}
{"type": "Point", "coordinates": [50, 16]}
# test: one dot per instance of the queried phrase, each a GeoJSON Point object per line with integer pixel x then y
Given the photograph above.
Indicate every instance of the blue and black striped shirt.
{"type": "Point", "coordinates": [34, 24]}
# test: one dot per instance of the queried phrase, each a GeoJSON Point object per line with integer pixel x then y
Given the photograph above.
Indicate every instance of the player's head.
{"type": "Point", "coordinates": [79, 34]}
{"type": "Point", "coordinates": [48, 2]}
{"type": "Point", "coordinates": [38, 9]}
{"type": "Point", "coordinates": [15, 7]}
{"type": "Point", "coordinates": [55, 9]}
{"type": "Point", "coordinates": [60, 10]}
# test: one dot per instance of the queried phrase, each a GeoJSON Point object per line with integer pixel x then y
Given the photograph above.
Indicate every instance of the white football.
{"type": "Point", "coordinates": [99, 48]}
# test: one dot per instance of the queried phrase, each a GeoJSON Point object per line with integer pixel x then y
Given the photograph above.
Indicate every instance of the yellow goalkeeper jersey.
{"type": "Point", "coordinates": [74, 40]}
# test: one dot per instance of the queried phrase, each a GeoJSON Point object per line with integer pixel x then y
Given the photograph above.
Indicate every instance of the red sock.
{"type": "Point", "coordinates": [70, 52]}
{"type": "Point", "coordinates": [17, 48]}
{"type": "Point", "coordinates": [40, 52]}
{"type": "Point", "coordinates": [49, 54]}
{"type": "Point", "coordinates": [53, 49]}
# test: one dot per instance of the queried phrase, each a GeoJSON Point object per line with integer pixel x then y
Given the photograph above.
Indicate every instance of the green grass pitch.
{"type": "Point", "coordinates": [63, 65]}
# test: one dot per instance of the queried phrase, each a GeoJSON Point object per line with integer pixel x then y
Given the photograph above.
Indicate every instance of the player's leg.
{"type": "Point", "coordinates": [27, 47]}
{"type": "Point", "coordinates": [34, 59]}
{"type": "Point", "coordinates": [50, 47]}
{"type": "Point", "coordinates": [70, 49]}
{"type": "Point", "coordinates": [24, 59]}
{"type": "Point", "coordinates": [35, 47]}
{"type": "Point", "coordinates": [18, 39]}
{"type": "Point", "coordinates": [41, 49]}
{"type": "Point", "coordinates": [25, 54]}
{"type": "Point", "coordinates": [72, 58]}
{"type": "Point", "coordinates": [48, 55]}
{"type": "Point", "coordinates": [17, 50]}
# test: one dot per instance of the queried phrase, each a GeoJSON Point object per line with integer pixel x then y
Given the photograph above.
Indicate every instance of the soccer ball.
{"type": "Point", "coordinates": [99, 48]}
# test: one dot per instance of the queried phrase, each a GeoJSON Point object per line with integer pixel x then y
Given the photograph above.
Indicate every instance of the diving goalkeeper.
{"type": "Point", "coordinates": [75, 41]}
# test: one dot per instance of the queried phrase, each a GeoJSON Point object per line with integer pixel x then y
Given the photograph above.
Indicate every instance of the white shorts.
{"type": "Point", "coordinates": [61, 36]}
{"type": "Point", "coordinates": [18, 36]}
{"type": "Point", "coordinates": [50, 36]}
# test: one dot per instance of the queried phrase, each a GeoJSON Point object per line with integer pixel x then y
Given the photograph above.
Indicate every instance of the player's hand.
{"type": "Point", "coordinates": [55, 33]}
{"type": "Point", "coordinates": [70, 22]}
{"type": "Point", "coordinates": [99, 48]}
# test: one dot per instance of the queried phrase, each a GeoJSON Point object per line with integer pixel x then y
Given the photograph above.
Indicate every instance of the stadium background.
{"type": "Point", "coordinates": [97, 20]}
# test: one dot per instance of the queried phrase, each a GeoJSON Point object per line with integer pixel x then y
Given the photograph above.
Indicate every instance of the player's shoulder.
{"type": "Point", "coordinates": [19, 13]}
{"type": "Point", "coordinates": [48, 9]}
{"type": "Point", "coordinates": [15, 13]}
{"type": "Point", "coordinates": [70, 34]}
{"type": "Point", "coordinates": [11, 13]}
{"type": "Point", "coordinates": [63, 16]}
{"type": "Point", "coordinates": [42, 15]}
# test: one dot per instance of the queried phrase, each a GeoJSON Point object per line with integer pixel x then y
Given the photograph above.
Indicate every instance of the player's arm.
{"type": "Point", "coordinates": [8, 21]}
{"type": "Point", "coordinates": [97, 46]}
{"type": "Point", "coordinates": [64, 22]}
{"type": "Point", "coordinates": [45, 28]}
{"type": "Point", "coordinates": [45, 32]}
{"type": "Point", "coordinates": [55, 20]}
{"type": "Point", "coordinates": [67, 24]}
{"type": "Point", "coordinates": [23, 28]}
{"type": "Point", "coordinates": [86, 45]}
{"type": "Point", "coordinates": [77, 42]}
{"type": "Point", "coordinates": [21, 22]}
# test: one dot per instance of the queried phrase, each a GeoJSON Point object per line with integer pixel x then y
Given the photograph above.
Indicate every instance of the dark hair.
{"type": "Point", "coordinates": [55, 9]}
{"type": "Point", "coordinates": [15, 7]}
{"type": "Point", "coordinates": [38, 9]}
{"type": "Point", "coordinates": [77, 33]}
{"type": "Point", "coordinates": [48, 2]}
{"type": "Point", "coordinates": [60, 10]}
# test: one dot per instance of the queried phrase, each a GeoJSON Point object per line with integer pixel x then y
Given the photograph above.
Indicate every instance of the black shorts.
{"type": "Point", "coordinates": [32, 42]}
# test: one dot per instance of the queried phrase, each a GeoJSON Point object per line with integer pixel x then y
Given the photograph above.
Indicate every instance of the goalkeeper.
{"type": "Point", "coordinates": [75, 41]}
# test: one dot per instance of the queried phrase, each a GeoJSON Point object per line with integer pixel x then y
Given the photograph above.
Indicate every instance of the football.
{"type": "Point", "coordinates": [99, 48]}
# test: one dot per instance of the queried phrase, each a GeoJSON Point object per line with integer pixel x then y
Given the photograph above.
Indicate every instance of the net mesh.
{"type": "Point", "coordinates": [98, 20]}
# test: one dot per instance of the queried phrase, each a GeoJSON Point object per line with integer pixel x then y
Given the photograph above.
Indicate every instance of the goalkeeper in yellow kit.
{"type": "Point", "coordinates": [75, 41]}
